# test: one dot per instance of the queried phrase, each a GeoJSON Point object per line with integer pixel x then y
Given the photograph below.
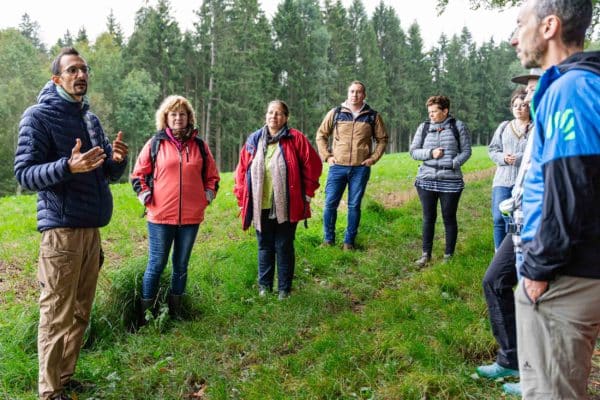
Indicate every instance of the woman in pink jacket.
{"type": "Point", "coordinates": [176, 178]}
{"type": "Point", "coordinates": [275, 179]}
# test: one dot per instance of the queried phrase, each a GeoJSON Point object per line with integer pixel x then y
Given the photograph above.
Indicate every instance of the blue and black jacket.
{"type": "Point", "coordinates": [47, 134]}
{"type": "Point", "coordinates": [561, 196]}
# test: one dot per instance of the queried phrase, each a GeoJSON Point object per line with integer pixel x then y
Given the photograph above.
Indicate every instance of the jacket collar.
{"type": "Point", "coordinates": [49, 95]}
{"type": "Point", "coordinates": [587, 61]}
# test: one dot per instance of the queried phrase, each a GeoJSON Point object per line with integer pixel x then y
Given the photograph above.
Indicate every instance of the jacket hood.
{"type": "Point", "coordinates": [49, 96]}
{"type": "Point", "coordinates": [589, 61]}
{"type": "Point", "coordinates": [365, 107]}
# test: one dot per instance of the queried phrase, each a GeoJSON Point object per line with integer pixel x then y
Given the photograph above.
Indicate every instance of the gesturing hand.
{"type": "Point", "coordinates": [120, 148]}
{"type": "Point", "coordinates": [85, 162]}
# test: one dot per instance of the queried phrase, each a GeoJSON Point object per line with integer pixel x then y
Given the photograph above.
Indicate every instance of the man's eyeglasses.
{"type": "Point", "coordinates": [72, 70]}
{"type": "Point", "coordinates": [522, 105]}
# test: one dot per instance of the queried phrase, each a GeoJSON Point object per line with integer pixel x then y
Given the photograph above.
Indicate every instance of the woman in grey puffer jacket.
{"type": "Point", "coordinates": [506, 150]}
{"type": "Point", "coordinates": [443, 144]}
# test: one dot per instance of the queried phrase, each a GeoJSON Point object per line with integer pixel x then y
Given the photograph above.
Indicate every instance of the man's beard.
{"type": "Point", "coordinates": [80, 88]}
{"type": "Point", "coordinates": [533, 58]}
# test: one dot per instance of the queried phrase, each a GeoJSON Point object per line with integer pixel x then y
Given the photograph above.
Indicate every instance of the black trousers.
{"type": "Point", "coordinates": [449, 205]}
{"type": "Point", "coordinates": [498, 283]}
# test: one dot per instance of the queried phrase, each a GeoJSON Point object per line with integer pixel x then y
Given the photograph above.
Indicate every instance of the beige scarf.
{"type": "Point", "coordinates": [279, 209]}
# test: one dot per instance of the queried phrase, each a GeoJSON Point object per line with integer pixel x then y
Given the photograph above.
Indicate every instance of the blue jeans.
{"type": "Point", "coordinates": [276, 241]}
{"type": "Point", "coordinates": [160, 239]}
{"type": "Point", "coordinates": [356, 179]}
{"type": "Point", "coordinates": [499, 193]}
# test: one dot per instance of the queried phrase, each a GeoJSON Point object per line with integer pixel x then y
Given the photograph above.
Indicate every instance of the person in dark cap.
{"type": "Point", "coordinates": [501, 275]}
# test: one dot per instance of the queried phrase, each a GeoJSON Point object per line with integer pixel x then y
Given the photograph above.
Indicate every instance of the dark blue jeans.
{"type": "Point", "coordinates": [449, 205]}
{"type": "Point", "coordinates": [499, 193]}
{"type": "Point", "coordinates": [498, 283]}
{"type": "Point", "coordinates": [160, 239]}
{"type": "Point", "coordinates": [339, 177]}
{"type": "Point", "coordinates": [276, 241]}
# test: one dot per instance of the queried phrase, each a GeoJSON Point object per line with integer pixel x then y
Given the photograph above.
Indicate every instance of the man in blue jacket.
{"type": "Point", "coordinates": [558, 299]}
{"type": "Point", "coordinates": [64, 155]}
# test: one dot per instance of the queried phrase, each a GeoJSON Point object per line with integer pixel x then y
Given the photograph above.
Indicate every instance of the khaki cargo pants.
{"type": "Point", "coordinates": [69, 262]}
{"type": "Point", "coordinates": [556, 338]}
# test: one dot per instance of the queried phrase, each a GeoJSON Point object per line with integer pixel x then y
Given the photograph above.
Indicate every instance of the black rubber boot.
{"type": "Point", "coordinates": [145, 305]}
{"type": "Point", "coordinates": [175, 306]}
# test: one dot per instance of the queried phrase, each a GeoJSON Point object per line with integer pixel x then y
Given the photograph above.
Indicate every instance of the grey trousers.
{"type": "Point", "coordinates": [556, 337]}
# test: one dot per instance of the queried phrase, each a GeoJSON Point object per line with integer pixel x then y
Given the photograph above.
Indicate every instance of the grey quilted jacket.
{"type": "Point", "coordinates": [441, 135]}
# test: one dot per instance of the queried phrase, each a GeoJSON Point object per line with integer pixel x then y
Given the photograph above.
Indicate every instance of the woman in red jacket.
{"type": "Point", "coordinates": [176, 177]}
{"type": "Point", "coordinates": [275, 179]}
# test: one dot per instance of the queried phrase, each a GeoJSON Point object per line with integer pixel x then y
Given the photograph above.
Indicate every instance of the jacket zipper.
{"type": "Point", "coordinates": [180, 185]}
{"type": "Point", "coordinates": [351, 140]}
{"type": "Point", "coordinates": [96, 176]}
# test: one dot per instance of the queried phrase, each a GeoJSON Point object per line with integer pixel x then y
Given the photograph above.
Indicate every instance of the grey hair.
{"type": "Point", "coordinates": [282, 104]}
{"type": "Point", "coordinates": [575, 16]}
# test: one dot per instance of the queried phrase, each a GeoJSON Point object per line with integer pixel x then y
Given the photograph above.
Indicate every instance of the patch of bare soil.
{"type": "Point", "coordinates": [12, 280]}
{"type": "Point", "coordinates": [396, 199]}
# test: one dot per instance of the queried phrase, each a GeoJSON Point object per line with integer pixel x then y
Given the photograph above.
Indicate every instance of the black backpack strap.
{"type": "Point", "coordinates": [453, 127]}
{"type": "Point", "coordinates": [336, 115]}
{"type": "Point", "coordinates": [424, 132]}
{"type": "Point", "coordinates": [372, 120]}
{"type": "Point", "coordinates": [455, 132]}
{"type": "Point", "coordinates": [154, 145]}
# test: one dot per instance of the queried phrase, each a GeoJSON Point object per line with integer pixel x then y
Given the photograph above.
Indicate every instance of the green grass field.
{"type": "Point", "coordinates": [359, 325]}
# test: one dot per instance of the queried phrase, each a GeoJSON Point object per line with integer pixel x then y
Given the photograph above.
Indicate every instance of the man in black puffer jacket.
{"type": "Point", "coordinates": [64, 155]}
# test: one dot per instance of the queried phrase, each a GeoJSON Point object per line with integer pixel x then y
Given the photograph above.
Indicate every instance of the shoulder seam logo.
{"type": "Point", "coordinates": [563, 121]}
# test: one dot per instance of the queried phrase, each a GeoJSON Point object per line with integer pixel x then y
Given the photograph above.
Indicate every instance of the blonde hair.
{"type": "Point", "coordinates": [172, 103]}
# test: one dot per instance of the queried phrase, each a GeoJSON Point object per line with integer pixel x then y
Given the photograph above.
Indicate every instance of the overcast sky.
{"type": "Point", "coordinates": [55, 17]}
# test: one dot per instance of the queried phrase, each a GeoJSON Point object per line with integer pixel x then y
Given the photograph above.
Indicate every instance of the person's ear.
{"type": "Point", "coordinates": [550, 27]}
{"type": "Point", "coordinates": [56, 79]}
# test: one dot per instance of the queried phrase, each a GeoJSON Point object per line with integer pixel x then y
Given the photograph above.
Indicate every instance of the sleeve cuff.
{"type": "Point", "coordinates": [145, 197]}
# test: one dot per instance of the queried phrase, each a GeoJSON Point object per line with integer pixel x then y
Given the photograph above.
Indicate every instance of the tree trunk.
{"type": "Point", "coordinates": [218, 131]}
{"type": "Point", "coordinates": [210, 81]}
